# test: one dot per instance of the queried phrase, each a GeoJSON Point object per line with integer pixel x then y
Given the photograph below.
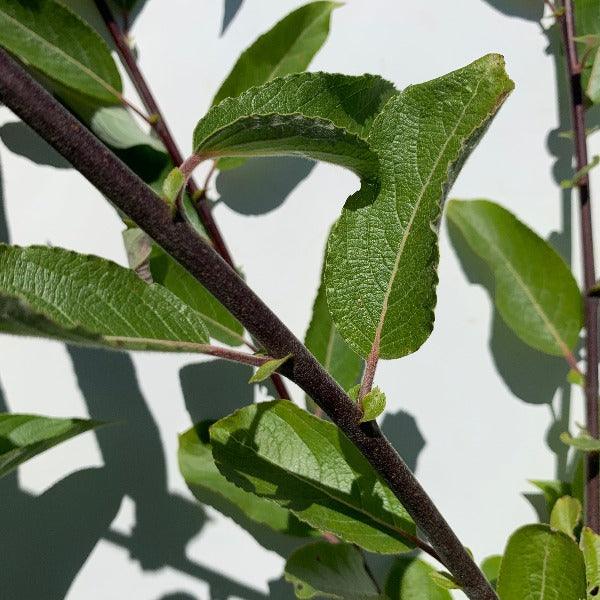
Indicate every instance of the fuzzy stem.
{"type": "Point", "coordinates": [36, 107]}
{"type": "Point", "coordinates": [163, 131]}
{"type": "Point", "coordinates": [592, 489]}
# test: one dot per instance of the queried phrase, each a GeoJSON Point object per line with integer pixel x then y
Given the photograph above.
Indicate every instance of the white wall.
{"type": "Point", "coordinates": [480, 399]}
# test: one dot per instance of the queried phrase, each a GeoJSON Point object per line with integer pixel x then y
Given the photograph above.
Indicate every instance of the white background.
{"type": "Point", "coordinates": [482, 403]}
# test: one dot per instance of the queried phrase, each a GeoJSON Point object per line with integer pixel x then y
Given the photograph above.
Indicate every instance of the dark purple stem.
{"type": "Point", "coordinates": [592, 488]}
{"type": "Point", "coordinates": [36, 107]}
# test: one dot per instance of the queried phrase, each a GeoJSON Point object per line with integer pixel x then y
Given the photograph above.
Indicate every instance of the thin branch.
{"type": "Point", "coordinates": [244, 358]}
{"type": "Point", "coordinates": [37, 108]}
{"type": "Point", "coordinates": [592, 488]}
{"type": "Point", "coordinates": [163, 131]}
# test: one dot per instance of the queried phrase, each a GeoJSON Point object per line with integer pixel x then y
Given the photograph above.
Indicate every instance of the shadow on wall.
{"type": "Point", "coordinates": [230, 10]}
{"type": "Point", "coordinates": [244, 191]}
{"type": "Point", "coordinates": [531, 10]}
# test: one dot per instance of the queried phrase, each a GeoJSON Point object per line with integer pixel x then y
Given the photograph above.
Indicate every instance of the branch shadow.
{"type": "Point", "coordinates": [244, 191]}
{"type": "Point", "coordinates": [230, 10]}
{"type": "Point", "coordinates": [532, 10]}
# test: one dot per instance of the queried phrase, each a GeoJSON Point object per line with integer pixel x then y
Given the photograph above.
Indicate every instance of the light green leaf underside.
{"type": "Point", "coordinates": [325, 570]}
{"type": "Point", "coordinates": [411, 579]}
{"type": "Point", "coordinates": [590, 546]}
{"type": "Point", "coordinates": [583, 442]}
{"type": "Point", "coordinates": [373, 404]}
{"type": "Point", "coordinates": [329, 347]}
{"type": "Point", "coordinates": [382, 256]}
{"type": "Point", "coordinates": [56, 293]}
{"type": "Point", "coordinates": [288, 47]}
{"type": "Point", "coordinates": [566, 515]}
{"type": "Point", "coordinates": [490, 567]}
{"type": "Point", "coordinates": [221, 324]}
{"type": "Point", "coordinates": [587, 23]}
{"type": "Point", "coordinates": [280, 452]}
{"type": "Point", "coordinates": [317, 115]}
{"type": "Point", "coordinates": [540, 564]}
{"type": "Point", "coordinates": [54, 40]}
{"type": "Point", "coordinates": [536, 293]}
{"type": "Point", "coordinates": [198, 468]}
{"type": "Point", "coordinates": [24, 436]}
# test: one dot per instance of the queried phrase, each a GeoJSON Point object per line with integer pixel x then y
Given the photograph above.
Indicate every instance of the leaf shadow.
{"type": "Point", "coordinates": [244, 191]}
{"type": "Point", "coordinates": [531, 10]}
{"type": "Point", "coordinates": [230, 10]}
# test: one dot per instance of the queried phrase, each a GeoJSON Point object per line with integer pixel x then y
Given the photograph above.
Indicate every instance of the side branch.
{"type": "Point", "coordinates": [592, 492]}
{"type": "Point", "coordinates": [101, 167]}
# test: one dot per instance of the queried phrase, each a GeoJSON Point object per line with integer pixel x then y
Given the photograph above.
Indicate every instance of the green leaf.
{"type": "Point", "coordinates": [491, 568]}
{"type": "Point", "coordinates": [587, 26]}
{"type": "Point", "coordinates": [56, 293]}
{"type": "Point", "coordinates": [324, 570]}
{"type": "Point", "coordinates": [286, 48]}
{"type": "Point", "coordinates": [221, 324]}
{"type": "Point", "coordinates": [536, 293]}
{"type": "Point", "coordinates": [382, 254]}
{"type": "Point", "coordinates": [583, 442]}
{"type": "Point", "coordinates": [552, 490]}
{"type": "Point", "coordinates": [593, 84]}
{"type": "Point", "coordinates": [576, 378]}
{"type": "Point", "coordinates": [569, 183]}
{"type": "Point", "coordinates": [444, 580]}
{"type": "Point", "coordinates": [541, 564]}
{"type": "Point", "coordinates": [353, 392]}
{"type": "Point", "coordinates": [373, 404]}
{"type": "Point", "coordinates": [590, 546]}
{"type": "Point", "coordinates": [24, 436]}
{"type": "Point", "coordinates": [328, 346]}
{"type": "Point", "coordinates": [280, 452]}
{"type": "Point", "coordinates": [54, 40]}
{"type": "Point", "coordinates": [411, 579]}
{"type": "Point", "coordinates": [322, 116]}
{"type": "Point", "coordinates": [172, 185]}
{"type": "Point", "coordinates": [566, 515]}
{"type": "Point", "coordinates": [267, 369]}
{"type": "Point", "coordinates": [198, 468]}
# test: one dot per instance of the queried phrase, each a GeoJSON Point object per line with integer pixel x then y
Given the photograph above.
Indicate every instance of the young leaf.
{"type": "Point", "coordinates": [51, 38]}
{"type": "Point", "coordinates": [584, 442]}
{"type": "Point", "coordinates": [382, 254]}
{"type": "Point", "coordinates": [265, 371]}
{"type": "Point", "coordinates": [198, 468]}
{"type": "Point", "coordinates": [221, 324]}
{"type": "Point", "coordinates": [286, 48]}
{"type": "Point", "coordinates": [324, 570]}
{"type": "Point", "coordinates": [373, 404]}
{"type": "Point", "coordinates": [491, 569]}
{"type": "Point", "coordinates": [552, 490]}
{"type": "Point", "coordinates": [590, 546]}
{"type": "Point", "coordinates": [569, 183]}
{"type": "Point", "coordinates": [542, 564]}
{"type": "Point", "coordinates": [51, 292]}
{"type": "Point", "coordinates": [328, 346]}
{"type": "Point", "coordinates": [411, 579]}
{"type": "Point", "coordinates": [566, 515]}
{"type": "Point", "coordinates": [172, 185]}
{"type": "Point", "coordinates": [576, 378]}
{"type": "Point", "coordinates": [536, 293]}
{"type": "Point", "coordinates": [24, 436]}
{"type": "Point", "coordinates": [587, 26]}
{"type": "Point", "coordinates": [444, 580]}
{"type": "Point", "coordinates": [278, 451]}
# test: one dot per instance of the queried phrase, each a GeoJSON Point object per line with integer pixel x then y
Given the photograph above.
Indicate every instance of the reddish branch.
{"type": "Point", "coordinates": [161, 128]}
{"type": "Point", "coordinates": [36, 107]}
{"type": "Point", "coordinates": [566, 19]}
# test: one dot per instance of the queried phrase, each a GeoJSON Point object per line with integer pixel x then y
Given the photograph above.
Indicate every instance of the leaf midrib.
{"type": "Point", "coordinates": [44, 42]}
{"type": "Point", "coordinates": [407, 231]}
{"type": "Point", "coordinates": [323, 490]}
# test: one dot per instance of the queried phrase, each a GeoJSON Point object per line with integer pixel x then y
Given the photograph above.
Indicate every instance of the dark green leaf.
{"type": "Point", "coordinates": [54, 40]}
{"type": "Point", "coordinates": [552, 490]}
{"type": "Point", "coordinates": [382, 254]}
{"type": "Point", "coordinates": [51, 292]}
{"type": "Point", "coordinates": [198, 468]}
{"type": "Point", "coordinates": [221, 324]}
{"type": "Point", "coordinates": [324, 570]}
{"type": "Point", "coordinates": [280, 452]}
{"type": "Point", "coordinates": [411, 579]}
{"type": "Point", "coordinates": [536, 293]}
{"type": "Point", "coordinates": [541, 564]}
{"type": "Point", "coordinates": [286, 48]}
{"type": "Point", "coordinates": [24, 436]}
